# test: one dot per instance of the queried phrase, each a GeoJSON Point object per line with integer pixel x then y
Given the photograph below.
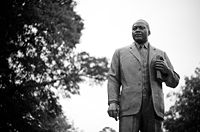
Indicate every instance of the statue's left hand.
{"type": "Point", "coordinates": [162, 66]}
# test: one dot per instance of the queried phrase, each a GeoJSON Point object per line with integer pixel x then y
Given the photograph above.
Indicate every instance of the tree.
{"type": "Point", "coordinates": [184, 115]}
{"type": "Point", "coordinates": [107, 129]}
{"type": "Point", "coordinates": [38, 40]}
{"type": "Point", "coordinates": [61, 124]}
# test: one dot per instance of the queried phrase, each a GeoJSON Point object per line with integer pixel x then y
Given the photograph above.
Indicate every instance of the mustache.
{"type": "Point", "coordinates": [138, 32]}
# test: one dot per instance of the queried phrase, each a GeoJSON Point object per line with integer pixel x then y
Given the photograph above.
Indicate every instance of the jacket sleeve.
{"type": "Point", "coordinates": [172, 79]}
{"type": "Point", "coordinates": [114, 83]}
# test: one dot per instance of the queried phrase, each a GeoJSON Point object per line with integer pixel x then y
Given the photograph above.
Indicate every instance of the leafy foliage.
{"type": "Point", "coordinates": [38, 38]}
{"type": "Point", "coordinates": [107, 129]}
{"type": "Point", "coordinates": [184, 116]}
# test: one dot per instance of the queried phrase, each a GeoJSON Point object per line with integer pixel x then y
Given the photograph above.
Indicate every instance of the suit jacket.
{"type": "Point", "coordinates": [125, 78]}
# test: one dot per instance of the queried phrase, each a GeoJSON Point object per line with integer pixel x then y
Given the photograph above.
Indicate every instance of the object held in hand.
{"type": "Point", "coordinates": [159, 76]}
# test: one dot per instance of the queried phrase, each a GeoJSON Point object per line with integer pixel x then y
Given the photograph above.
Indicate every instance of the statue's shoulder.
{"type": "Point", "coordinates": [156, 49]}
{"type": "Point", "coordinates": [125, 48]}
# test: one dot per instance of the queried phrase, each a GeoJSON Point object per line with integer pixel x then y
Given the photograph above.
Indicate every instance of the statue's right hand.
{"type": "Point", "coordinates": [113, 110]}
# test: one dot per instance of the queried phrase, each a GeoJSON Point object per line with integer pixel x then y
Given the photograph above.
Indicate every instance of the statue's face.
{"type": "Point", "coordinates": [140, 33]}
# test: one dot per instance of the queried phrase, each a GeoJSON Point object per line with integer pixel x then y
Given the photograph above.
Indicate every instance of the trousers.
{"type": "Point", "coordinates": [144, 121]}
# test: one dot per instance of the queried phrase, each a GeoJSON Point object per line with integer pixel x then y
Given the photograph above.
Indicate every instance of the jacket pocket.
{"type": "Point", "coordinates": [129, 99]}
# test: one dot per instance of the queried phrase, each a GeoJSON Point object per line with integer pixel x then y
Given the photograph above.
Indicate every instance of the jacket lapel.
{"type": "Point", "coordinates": [151, 53]}
{"type": "Point", "coordinates": [133, 50]}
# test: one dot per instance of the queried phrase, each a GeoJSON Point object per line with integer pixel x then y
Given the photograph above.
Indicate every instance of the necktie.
{"type": "Point", "coordinates": [143, 54]}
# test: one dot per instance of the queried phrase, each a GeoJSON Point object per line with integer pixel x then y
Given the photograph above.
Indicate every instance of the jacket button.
{"type": "Point", "coordinates": [139, 84]}
{"type": "Point", "coordinates": [139, 69]}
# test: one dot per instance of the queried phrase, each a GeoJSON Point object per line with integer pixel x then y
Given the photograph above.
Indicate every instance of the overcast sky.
{"type": "Point", "coordinates": [175, 28]}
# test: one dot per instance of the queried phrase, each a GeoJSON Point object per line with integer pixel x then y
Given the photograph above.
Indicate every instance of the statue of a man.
{"type": "Point", "coordinates": [135, 78]}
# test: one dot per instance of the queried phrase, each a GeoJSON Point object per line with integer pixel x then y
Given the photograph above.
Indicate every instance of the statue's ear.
{"type": "Point", "coordinates": [149, 32]}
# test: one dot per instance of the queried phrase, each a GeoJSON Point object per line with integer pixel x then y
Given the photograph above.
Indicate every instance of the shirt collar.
{"type": "Point", "coordinates": [145, 45]}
